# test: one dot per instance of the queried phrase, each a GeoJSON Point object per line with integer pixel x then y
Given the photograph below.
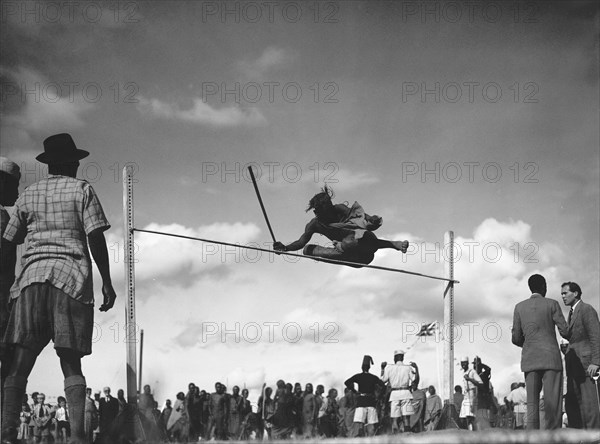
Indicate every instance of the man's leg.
{"type": "Point", "coordinates": [14, 389]}
{"type": "Point", "coordinates": [552, 381]}
{"type": "Point", "coordinates": [533, 383]}
{"type": "Point", "coordinates": [589, 404]}
{"type": "Point", "coordinates": [75, 385]}
{"type": "Point", "coordinates": [396, 245]}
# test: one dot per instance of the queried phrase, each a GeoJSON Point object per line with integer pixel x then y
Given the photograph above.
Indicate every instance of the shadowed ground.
{"type": "Point", "coordinates": [561, 436]}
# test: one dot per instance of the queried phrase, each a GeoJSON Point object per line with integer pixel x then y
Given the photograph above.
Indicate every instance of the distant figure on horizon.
{"type": "Point", "coordinates": [349, 228]}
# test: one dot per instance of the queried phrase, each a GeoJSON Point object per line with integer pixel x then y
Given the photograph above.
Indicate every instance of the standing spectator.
{"type": "Point", "coordinates": [330, 413]}
{"type": "Point", "coordinates": [283, 419]}
{"type": "Point", "coordinates": [146, 403]}
{"type": "Point", "coordinates": [319, 392]}
{"type": "Point", "coordinates": [178, 424]}
{"type": "Point", "coordinates": [470, 381]}
{"type": "Point", "coordinates": [108, 411]}
{"type": "Point", "coordinates": [121, 399]}
{"type": "Point", "coordinates": [42, 419]}
{"type": "Point", "coordinates": [484, 394]}
{"type": "Point", "coordinates": [458, 399]}
{"type": "Point", "coordinates": [433, 410]}
{"type": "Point", "coordinates": [309, 412]}
{"type": "Point", "coordinates": [298, 396]}
{"type": "Point", "coordinates": [517, 400]}
{"type": "Point", "coordinates": [164, 416]}
{"type": "Point", "coordinates": [24, 418]}
{"type": "Point", "coordinates": [218, 409]}
{"type": "Point", "coordinates": [582, 360]}
{"type": "Point", "coordinates": [534, 324]}
{"type": "Point", "coordinates": [366, 401]}
{"type": "Point", "coordinates": [418, 403]}
{"type": "Point", "coordinates": [191, 405]}
{"type": "Point", "coordinates": [91, 416]}
{"type": "Point", "coordinates": [10, 175]}
{"type": "Point", "coordinates": [347, 408]}
{"type": "Point", "coordinates": [53, 294]}
{"type": "Point", "coordinates": [63, 431]}
{"type": "Point", "coordinates": [266, 409]}
{"type": "Point", "coordinates": [235, 418]}
{"type": "Point", "coordinates": [399, 376]}
{"type": "Point", "coordinates": [34, 401]}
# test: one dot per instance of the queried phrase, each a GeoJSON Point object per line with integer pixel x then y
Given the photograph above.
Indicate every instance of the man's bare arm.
{"type": "Point", "coordinates": [300, 243]}
{"type": "Point", "coordinates": [100, 254]}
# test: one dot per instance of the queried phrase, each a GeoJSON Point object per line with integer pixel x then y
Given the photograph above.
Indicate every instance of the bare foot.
{"type": "Point", "coordinates": [400, 245]}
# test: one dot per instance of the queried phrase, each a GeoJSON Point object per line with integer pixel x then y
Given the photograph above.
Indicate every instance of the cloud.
{"type": "Point", "coordinates": [187, 260]}
{"type": "Point", "coordinates": [202, 113]}
{"type": "Point", "coordinates": [34, 103]}
{"type": "Point", "coordinates": [270, 59]}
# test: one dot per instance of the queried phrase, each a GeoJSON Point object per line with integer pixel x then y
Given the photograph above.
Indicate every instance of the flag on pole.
{"type": "Point", "coordinates": [428, 329]}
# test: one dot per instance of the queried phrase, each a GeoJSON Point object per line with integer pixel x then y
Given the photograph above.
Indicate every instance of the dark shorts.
{"type": "Point", "coordinates": [42, 313]}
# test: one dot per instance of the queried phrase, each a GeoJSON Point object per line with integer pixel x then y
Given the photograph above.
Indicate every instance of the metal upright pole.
{"type": "Point", "coordinates": [448, 388]}
{"type": "Point", "coordinates": [130, 325]}
{"type": "Point", "coordinates": [141, 359]}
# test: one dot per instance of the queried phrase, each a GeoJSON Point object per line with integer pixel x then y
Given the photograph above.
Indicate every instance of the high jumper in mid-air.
{"type": "Point", "coordinates": [349, 228]}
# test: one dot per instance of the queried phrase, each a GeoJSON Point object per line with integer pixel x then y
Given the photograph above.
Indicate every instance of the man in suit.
{"type": "Point", "coordinates": [533, 329]}
{"type": "Point", "coordinates": [582, 360]}
{"type": "Point", "coordinates": [109, 409]}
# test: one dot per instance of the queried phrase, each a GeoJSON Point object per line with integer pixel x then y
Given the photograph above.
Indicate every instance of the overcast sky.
{"type": "Point", "coordinates": [476, 117]}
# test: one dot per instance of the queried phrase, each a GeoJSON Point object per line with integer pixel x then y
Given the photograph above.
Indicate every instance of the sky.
{"type": "Point", "coordinates": [476, 117]}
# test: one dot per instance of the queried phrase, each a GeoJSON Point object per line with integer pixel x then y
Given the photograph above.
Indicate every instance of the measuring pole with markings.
{"type": "Point", "coordinates": [130, 325]}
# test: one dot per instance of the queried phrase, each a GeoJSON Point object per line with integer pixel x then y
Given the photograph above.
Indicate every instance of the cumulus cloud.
{"type": "Point", "coordinates": [202, 113]}
{"type": "Point", "coordinates": [178, 262]}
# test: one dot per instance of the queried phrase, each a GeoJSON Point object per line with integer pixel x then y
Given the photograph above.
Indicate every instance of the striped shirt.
{"type": "Point", "coordinates": [56, 215]}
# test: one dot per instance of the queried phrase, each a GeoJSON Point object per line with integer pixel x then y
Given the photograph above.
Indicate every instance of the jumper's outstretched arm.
{"type": "Point", "coordinates": [300, 243]}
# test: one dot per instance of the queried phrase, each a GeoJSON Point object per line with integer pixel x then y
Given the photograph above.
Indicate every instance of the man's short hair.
{"type": "Point", "coordinates": [537, 283]}
{"type": "Point", "coordinates": [458, 388]}
{"type": "Point", "coordinates": [575, 288]}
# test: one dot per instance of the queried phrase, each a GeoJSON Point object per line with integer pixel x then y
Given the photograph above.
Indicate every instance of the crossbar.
{"type": "Point", "coordinates": [316, 258]}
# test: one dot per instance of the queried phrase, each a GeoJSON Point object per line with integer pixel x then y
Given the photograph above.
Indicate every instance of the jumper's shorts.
{"type": "Point", "coordinates": [42, 313]}
{"type": "Point", "coordinates": [366, 415]}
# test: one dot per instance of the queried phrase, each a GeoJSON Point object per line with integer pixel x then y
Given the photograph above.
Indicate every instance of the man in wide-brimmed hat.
{"type": "Point", "coordinates": [52, 298]}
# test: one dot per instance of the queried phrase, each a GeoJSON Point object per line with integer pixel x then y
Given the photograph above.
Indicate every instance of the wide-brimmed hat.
{"type": "Point", "coordinates": [60, 148]}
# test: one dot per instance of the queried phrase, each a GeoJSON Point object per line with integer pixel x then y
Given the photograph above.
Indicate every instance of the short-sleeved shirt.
{"type": "Point", "coordinates": [400, 376]}
{"type": "Point", "coordinates": [56, 215]}
{"type": "Point", "coordinates": [519, 397]}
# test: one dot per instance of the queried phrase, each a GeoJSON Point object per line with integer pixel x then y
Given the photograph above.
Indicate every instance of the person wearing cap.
{"type": "Point", "coordinates": [534, 329]}
{"type": "Point", "coordinates": [366, 402]}
{"type": "Point", "coordinates": [52, 297]}
{"type": "Point", "coordinates": [399, 377]}
{"type": "Point", "coordinates": [10, 174]}
{"type": "Point", "coordinates": [471, 381]}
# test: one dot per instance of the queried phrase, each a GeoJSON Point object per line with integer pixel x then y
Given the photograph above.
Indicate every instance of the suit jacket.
{"type": "Point", "coordinates": [108, 412]}
{"type": "Point", "coordinates": [533, 329]}
{"type": "Point", "coordinates": [584, 341]}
